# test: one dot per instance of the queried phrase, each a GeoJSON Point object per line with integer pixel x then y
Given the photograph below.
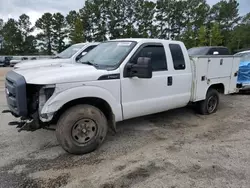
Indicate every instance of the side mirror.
{"type": "Point", "coordinates": [81, 55]}
{"type": "Point", "coordinates": [215, 53]}
{"type": "Point", "coordinates": [84, 53]}
{"type": "Point", "coordinates": [143, 68]}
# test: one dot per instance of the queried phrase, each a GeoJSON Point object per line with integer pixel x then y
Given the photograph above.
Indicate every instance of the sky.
{"type": "Point", "coordinates": [35, 8]}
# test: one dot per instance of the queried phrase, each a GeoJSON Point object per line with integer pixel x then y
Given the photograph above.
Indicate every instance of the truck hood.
{"type": "Point", "coordinates": [60, 73]}
{"type": "Point", "coordinates": [40, 62]}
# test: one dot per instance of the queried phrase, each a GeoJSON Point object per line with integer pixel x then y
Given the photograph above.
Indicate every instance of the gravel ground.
{"type": "Point", "coordinates": [3, 71]}
{"type": "Point", "coordinates": [175, 149]}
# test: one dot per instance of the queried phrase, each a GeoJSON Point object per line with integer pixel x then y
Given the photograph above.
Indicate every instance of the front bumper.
{"type": "Point", "coordinates": [16, 96]}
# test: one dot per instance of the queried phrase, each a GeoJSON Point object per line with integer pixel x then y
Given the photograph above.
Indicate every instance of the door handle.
{"type": "Point", "coordinates": [170, 80]}
{"type": "Point", "coordinates": [221, 62]}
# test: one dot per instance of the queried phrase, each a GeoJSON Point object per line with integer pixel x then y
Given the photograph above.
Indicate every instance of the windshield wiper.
{"type": "Point", "coordinates": [89, 63]}
{"type": "Point", "coordinates": [56, 57]}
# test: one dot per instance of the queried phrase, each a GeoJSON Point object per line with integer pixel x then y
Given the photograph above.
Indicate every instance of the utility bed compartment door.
{"type": "Point", "coordinates": [210, 70]}
{"type": "Point", "coordinates": [234, 75]}
{"type": "Point", "coordinates": [219, 67]}
{"type": "Point", "coordinates": [199, 86]}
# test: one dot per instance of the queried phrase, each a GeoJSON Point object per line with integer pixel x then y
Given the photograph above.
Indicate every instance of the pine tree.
{"type": "Point", "coordinates": [28, 40]}
{"type": "Point", "coordinates": [60, 32]}
{"type": "Point", "coordinates": [45, 37]}
{"type": "Point", "coordinates": [76, 27]}
{"type": "Point", "coordinates": [216, 37]}
{"type": "Point", "coordinates": [202, 36]}
{"type": "Point", "coordinates": [12, 38]}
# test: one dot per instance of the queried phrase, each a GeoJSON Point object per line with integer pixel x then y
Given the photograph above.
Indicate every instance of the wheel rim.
{"type": "Point", "coordinates": [211, 104]}
{"type": "Point", "coordinates": [84, 131]}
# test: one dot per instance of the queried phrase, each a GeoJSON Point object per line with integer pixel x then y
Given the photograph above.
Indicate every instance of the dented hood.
{"type": "Point", "coordinates": [61, 73]}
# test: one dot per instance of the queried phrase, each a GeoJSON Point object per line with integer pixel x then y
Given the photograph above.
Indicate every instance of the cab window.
{"type": "Point", "coordinates": [177, 56]}
{"type": "Point", "coordinates": [157, 55]}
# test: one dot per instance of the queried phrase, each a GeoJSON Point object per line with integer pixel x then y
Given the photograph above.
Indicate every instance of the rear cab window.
{"type": "Point", "coordinates": [177, 56]}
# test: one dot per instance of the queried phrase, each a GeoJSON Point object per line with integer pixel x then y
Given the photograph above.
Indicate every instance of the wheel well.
{"type": "Point", "coordinates": [97, 102]}
{"type": "Point", "coordinates": [219, 87]}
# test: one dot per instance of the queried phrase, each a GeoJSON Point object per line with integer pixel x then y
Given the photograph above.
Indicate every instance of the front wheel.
{"type": "Point", "coordinates": [210, 104]}
{"type": "Point", "coordinates": [81, 129]}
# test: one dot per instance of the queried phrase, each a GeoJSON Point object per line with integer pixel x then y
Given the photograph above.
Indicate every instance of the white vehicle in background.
{"type": "Point", "coordinates": [16, 59]}
{"type": "Point", "coordinates": [2, 61]}
{"type": "Point", "coordinates": [70, 55]}
{"type": "Point", "coordinates": [117, 80]}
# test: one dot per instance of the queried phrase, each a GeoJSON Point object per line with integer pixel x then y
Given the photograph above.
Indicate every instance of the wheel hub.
{"type": "Point", "coordinates": [84, 130]}
{"type": "Point", "coordinates": [211, 104]}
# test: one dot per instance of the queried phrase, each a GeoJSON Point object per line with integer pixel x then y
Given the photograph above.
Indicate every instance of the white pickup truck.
{"type": "Point", "coordinates": [117, 80]}
{"type": "Point", "coordinates": [70, 55]}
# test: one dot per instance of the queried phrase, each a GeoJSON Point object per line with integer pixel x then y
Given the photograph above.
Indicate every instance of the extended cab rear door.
{"type": "Point", "coordinates": [180, 71]}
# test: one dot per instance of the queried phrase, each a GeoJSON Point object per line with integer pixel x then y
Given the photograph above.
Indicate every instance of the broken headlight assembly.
{"type": "Point", "coordinates": [44, 94]}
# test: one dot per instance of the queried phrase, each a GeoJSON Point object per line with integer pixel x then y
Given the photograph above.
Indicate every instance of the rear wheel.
{"type": "Point", "coordinates": [81, 129]}
{"type": "Point", "coordinates": [210, 104]}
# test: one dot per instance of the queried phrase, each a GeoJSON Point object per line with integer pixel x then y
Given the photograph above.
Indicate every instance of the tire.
{"type": "Point", "coordinates": [204, 107]}
{"type": "Point", "coordinates": [81, 129]}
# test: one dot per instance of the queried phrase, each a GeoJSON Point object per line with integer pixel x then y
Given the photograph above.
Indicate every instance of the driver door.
{"type": "Point", "coordinates": [145, 96]}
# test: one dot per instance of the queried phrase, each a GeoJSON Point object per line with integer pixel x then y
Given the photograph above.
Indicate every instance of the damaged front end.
{"type": "Point", "coordinates": [25, 101]}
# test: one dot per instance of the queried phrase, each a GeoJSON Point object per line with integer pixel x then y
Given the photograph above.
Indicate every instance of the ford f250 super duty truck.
{"type": "Point", "coordinates": [70, 55]}
{"type": "Point", "coordinates": [117, 80]}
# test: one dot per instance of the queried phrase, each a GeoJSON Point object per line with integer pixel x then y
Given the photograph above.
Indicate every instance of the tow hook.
{"type": "Point", "coordinates": [8, 111]}
{"type": "Point", "coordinates": [25, 125]}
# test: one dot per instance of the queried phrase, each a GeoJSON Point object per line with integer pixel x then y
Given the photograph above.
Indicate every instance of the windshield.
{"type": "Point", "coordinates": [245, 57]}
{"type": "Point", "coordinates": [108, 54]}
{"type": "Point", "coordinates": [198, 51]}
{"type": "Point", "coordinates": [69, 52]}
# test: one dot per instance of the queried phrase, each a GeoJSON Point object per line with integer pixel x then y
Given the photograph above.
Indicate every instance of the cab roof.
{"type": "Point", "coordinates": [144, 40]}
{"type": "Point", "coordinates": [85, 43]}
{"type": "Point", "coordinates": [247, 51]}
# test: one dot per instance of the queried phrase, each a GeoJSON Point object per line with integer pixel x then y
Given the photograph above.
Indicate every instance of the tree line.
{"type": "Point", "coordinates": [195, 22]}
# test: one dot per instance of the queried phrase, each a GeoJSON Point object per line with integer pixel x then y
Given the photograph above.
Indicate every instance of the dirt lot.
{"type": "Point", "coordinates": [175, 149]}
